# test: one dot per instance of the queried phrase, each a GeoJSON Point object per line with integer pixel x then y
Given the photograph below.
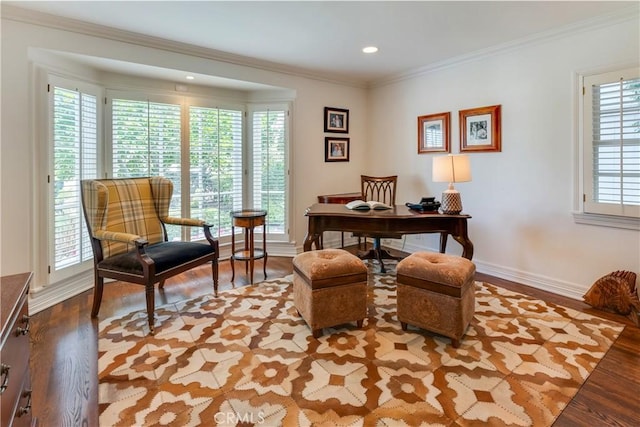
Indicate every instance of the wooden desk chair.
{"type": "Point", "coordinates": [126, 221]}
{"type": "Point", "coordinates": [381, 189]}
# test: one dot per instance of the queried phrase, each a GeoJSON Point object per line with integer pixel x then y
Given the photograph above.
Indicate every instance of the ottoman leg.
{"type": "Point", "coordinates": [455, 343]}
{"type": "Point", "coordinates": [403, 325]}
{"type": "Point", "coordinates": [317, 333]}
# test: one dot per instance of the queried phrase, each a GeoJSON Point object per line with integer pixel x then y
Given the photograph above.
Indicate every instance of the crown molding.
{"type": "Point", "coordinates": [623, 15]}
{"type": "Point", "coordinates": [18, 14]}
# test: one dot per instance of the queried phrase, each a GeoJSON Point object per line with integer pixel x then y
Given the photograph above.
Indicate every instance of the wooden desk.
{"type": "Point", "coordinates": [400, 220]}
{"type": "Point", "coordinates": [342, 198]}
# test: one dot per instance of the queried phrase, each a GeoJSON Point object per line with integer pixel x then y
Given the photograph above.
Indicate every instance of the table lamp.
{"type": "Point", "coordinates": [451, 168]}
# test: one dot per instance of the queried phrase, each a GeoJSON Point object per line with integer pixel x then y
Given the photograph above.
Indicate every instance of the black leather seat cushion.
{"type": "Point", "coordinates": [165, 255]}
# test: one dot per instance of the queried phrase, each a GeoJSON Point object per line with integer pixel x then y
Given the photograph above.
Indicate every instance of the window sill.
{"type": "Point", "coordinates": [607, 220]}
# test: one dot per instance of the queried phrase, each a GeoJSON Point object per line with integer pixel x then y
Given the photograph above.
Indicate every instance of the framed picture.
{"type": "Point", "coordinates": [433, 133]}
{"type": "Point", "coordinates": [480, 129]}
{"type": "Point", "coordinates": [336, 149]}
{"type": "Point", "coordinates": [336, 120]}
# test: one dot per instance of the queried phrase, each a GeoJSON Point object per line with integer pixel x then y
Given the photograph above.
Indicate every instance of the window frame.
{"type": "Point", "coordinates": [82, 87]}
{"type": "Point", "coordinates": [586, 212]}
{"type": "Point", "coordinates": [249, 188]}
{"type": "Point", "coordinates": [207, 103]}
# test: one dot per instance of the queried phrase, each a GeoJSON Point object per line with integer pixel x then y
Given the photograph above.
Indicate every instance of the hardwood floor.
{"type": "Point", "coordinates": [64, 351]}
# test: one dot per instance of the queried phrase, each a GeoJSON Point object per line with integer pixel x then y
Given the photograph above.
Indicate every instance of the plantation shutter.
{"type": "Point", "coordinates": [75, 142]}
{"type": "Point", "coordinates": [216, 168]}
{"type": "Point", "coordinates": [612, 164]}
{"type": "Point", "coordinates": [269, 171]}
{"type": "Point", "coordinates": [146, 141]}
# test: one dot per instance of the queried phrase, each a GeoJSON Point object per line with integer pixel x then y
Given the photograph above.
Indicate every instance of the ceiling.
{"type": "Point", "coordinates": [326, 37]}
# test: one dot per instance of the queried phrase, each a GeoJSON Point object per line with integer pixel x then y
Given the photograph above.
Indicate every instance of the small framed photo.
{"type": "Point", "coordinates": [336, 120]}
{"type": "Point", "coordinates": [434, 131]}
{"type": "Point", "coordinates": [336, 149]}
{"type": "Point", "coordinates": [480, 129]}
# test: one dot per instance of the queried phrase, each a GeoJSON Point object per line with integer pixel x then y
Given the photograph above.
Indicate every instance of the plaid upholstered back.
{"type": "Point", "coordinates": [117, 207]}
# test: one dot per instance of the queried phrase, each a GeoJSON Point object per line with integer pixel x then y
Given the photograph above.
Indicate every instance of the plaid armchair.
{"type": "Point", "coordinates": [126, 221]}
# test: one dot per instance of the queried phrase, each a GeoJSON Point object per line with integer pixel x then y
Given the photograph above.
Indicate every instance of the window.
{"type": "Point", "coordinates": [215, 167]}
{"type": "Point", "coordinates": [146, 141]}
{"type": "Point", "coordinates": [218, 161]}
{"type": "Point", "coordinates": [74, 136]}
{"type": "Point", "coordinates": [270, 167]}
{"type": "Point", "coordinates": [611, 134]}
{"type": "Point", "coordinates": [223, 168]}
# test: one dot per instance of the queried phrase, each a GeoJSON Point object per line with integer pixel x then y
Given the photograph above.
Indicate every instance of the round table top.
{"type": "Point", "coordinates": [248, 213]}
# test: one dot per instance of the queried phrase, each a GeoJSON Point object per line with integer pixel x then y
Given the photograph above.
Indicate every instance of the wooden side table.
{"type": "Point", "coordinates": [248, 219]}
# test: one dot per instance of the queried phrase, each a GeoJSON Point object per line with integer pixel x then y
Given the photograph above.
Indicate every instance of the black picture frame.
{"type": "Point", "coordinates": [336, 120]}
{"type": "Point", "coordinates": [336, 149]}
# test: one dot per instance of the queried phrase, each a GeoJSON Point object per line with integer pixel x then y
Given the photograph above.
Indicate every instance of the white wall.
{"type": "Point", "coordinates": [310, 175]}
{"type": "Point", "coordinates": [522, 198]}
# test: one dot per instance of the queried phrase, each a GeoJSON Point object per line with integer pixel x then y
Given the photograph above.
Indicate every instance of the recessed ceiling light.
{"type": "Point", "coordinates": [190, 78]}
{"type": "Point", "coordinates": [370, 49]}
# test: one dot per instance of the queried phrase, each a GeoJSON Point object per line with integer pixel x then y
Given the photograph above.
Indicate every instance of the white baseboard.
{"type": "Point", "coordinates": [48, 296]}
{"type": "Point", "coordinates": [537, 281]}
{"type": "Point", "coordinates": [544, 283]}
{"type": "Point", "coordinates": [45, 297]}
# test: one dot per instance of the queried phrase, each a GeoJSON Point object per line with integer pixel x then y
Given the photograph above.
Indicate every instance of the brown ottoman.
{"type": "Point", "coordinates": [436, 292]}
{"type": "Point", "coordinates": [329, 288]}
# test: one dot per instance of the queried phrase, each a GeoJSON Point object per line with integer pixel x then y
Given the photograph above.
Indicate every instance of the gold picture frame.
{"type": "Point", "coordinates": [480, 129]}
{"type": "Point", "coordinates": [434, 133]}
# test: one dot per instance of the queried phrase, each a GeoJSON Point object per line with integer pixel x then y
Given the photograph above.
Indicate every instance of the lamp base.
{"type": "Point", "coordinates": [451, 203]}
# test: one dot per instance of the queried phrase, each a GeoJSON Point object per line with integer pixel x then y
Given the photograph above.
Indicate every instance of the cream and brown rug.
{"type": "Point", "coordinates": [246, 358]}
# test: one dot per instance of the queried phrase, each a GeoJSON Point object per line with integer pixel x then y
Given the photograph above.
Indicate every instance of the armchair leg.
{"type": "Point", "coordinates": [161, 285]}
{"type": "Point", "coordinates": [97, 295]}
{"type": "Point", "coordinates": [214, 273]}
{"type": "Point", "coordinates": [150, 295]}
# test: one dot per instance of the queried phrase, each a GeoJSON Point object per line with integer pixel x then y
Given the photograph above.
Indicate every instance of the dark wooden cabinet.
{"type": "Point", "coordinates": [15, 381]}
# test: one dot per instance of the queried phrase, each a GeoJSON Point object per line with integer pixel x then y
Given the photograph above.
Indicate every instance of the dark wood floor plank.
{"type": "Point", "coordinates": [64, 350]}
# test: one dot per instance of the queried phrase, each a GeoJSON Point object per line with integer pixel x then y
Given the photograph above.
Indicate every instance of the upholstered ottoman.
{"type": "Point", "coordinates": [436, 292]}
{"type": "Point", "coordinates": [329, 288]}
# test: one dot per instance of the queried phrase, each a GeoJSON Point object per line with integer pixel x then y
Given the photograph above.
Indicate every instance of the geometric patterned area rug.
{"type": "Point", "coordinates": [246, 358]}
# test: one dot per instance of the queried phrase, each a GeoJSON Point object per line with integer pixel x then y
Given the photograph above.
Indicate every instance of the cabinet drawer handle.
{"type": "Point", "coordinates": [4, 371]}
{"type": "Point", "coordinates": [25, 330]}
{"type": "Point", "coordinates": [23, 410]}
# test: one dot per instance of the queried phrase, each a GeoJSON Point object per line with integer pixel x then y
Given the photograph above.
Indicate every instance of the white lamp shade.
{"type": "Point", "coordinates": [452, 168]}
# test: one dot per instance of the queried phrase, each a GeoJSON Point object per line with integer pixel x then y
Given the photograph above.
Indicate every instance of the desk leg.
{"type": "Point", "coordinates": [309, 240]}
{"type": "Point", "coordinates": [443, 242]}
{"type": "Point", "coordinates": [467, 246]}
